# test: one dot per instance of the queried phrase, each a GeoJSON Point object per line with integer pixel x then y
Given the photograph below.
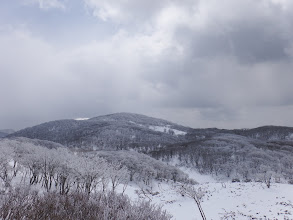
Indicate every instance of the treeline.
{"type": "Point", "coordinates": [144, 168]}
{"type": "Point", "coordinates": [71, 185]}
{"type": "Point", "coordinates": [62, 170]}
{"type": "Point", "coordinates": [57, 169]}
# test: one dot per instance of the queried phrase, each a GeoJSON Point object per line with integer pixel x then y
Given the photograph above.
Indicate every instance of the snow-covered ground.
{"type": "Point", "coordinates": [167, 129]}
{"type": "Point", "coordinates": [224, 200]}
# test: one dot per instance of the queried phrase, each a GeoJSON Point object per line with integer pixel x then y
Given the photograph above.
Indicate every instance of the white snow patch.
{"type": "Point", "coordinates": [167, 129]}
{"type": "Point", "coordinates": [177, 132]}
{"type": "Point", "coordinates": [200, 178]}
{"type": "Point", "coordinates": [81, 119]}
{"type": "Point", "coordinates": [239, 200]}
{"type": "Point", "coordinates": [289, 137]}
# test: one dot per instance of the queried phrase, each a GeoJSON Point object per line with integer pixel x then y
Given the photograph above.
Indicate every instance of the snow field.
{"type": "Point", "coordinates": [224, 200]}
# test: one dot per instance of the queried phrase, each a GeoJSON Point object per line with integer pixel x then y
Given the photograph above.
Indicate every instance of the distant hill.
{"type": "Point", "coordinates": [115, 131]}
{"type": "Point", "coordinates": [269, 133]}
{"type": "Point", "coordinates": [128, 130]}
{"type": "Point", "coordinates": [5, 132]}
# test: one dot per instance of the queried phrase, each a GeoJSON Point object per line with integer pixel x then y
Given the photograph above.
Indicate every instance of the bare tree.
{"type": "Point", "coordinates": [90, 171]}
{"type": "Point", "coordinates": [118, 174]}
{"type": "Point", "coordinates": [267, 178]}
{"type": "Point", "coordinates": [5, 168]}
{"type": "Point", "coordinates": [195, 194]}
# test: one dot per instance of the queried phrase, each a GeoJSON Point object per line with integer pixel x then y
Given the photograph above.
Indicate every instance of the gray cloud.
{"type": "Point", "coordinates": [201, 63]}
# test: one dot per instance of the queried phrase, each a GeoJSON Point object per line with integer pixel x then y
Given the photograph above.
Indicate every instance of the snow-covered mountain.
{"type": "Point", "coordinates": [128, 130]}
{"type": "Point", "coordinates": [115, 131]}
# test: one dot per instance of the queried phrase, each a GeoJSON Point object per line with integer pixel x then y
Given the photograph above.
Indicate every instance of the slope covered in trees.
{"type": "Point", "coordinates": [234, 156]}
{"type": "Point", "coordinates": [268, 133]}
{"type": "Point", "coordinates": [56, 167]}
{"type": "Point", "coordinates": [247, 154]}
{"type": "Point", "coordinates": [144, 168]}
{"type": "Point", "coordinates": [117, 131]}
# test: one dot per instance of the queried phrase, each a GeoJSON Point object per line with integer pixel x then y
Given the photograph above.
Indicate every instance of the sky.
{"type": "Point", "coordinates": [199, 63]}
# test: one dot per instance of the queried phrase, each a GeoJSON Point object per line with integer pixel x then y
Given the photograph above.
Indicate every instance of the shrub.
{"type": "Point", "coordinates": [22, 204]}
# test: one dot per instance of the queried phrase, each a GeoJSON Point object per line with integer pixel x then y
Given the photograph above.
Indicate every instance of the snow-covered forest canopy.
{"type": "Point", "coordinates": [87, 179]}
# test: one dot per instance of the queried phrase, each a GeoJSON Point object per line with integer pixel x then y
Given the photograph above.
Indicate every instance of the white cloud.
{"type": "Point", "coordinates": [131, 11]}
{"type": "Point", "coordinates": [285, 4]}
{"type": "Point", "coordinates": [47, 4]}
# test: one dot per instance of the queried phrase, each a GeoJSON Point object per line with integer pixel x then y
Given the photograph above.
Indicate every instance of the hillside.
{"type": "Point", "coordinates": [128, 130]}
{"type": "Point", "coordinates": [241, 166]}
{"type": "Point", "coordinates": [139, 177]}
{"type": "Point", "coordinates": [116, 131]}
{"type": "Point", "coordinates": [269, 133]}
{"type": "Point", "coordinates": [233, 156]}
{"type": "Point", "coordinates": [248, 155]}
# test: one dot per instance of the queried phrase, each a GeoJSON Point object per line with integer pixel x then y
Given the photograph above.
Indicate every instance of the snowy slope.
{"type": "Point", "coordinates": [167, 129]}
{"type": "Point", "coordinates": [226, 201]}
{"type": "Point", "coordinates": [222, 200]}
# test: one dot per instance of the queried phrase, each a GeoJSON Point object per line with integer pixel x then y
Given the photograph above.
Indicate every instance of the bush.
{"type": "Point", "coordinates": [21, 204]}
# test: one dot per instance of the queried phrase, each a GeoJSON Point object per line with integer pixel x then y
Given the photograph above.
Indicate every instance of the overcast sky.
{"type": "Point", "coordinates": [200, 63]}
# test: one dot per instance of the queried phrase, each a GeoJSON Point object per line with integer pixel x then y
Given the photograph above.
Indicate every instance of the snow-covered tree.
{"type": "Point", "coordinates": [194, 193]}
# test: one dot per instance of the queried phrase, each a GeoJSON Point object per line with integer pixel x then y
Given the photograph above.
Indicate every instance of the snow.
{"type": "Point", "coordinates": [177, 132]}
{"type": "Point", "coordinates": [81, 119]}
{"type": "Point", "coordinates": [238, 200]}
{"type": "Point", "coordinates": [289, 137]}
{"type": "Point", "coordinates": [200, 178]}
{"type": "Point", "coordinates": [132, 122]}
{"type": "Point", "coordinates": [167, 129]}
{"type": "Point", "coordinates": [222, 200]}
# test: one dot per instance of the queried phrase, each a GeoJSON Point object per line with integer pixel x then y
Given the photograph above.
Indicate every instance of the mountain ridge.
{"type": "Point", "coordinates": [109, 131]}
{"type": "Point", "coordinates": [124, 130]}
